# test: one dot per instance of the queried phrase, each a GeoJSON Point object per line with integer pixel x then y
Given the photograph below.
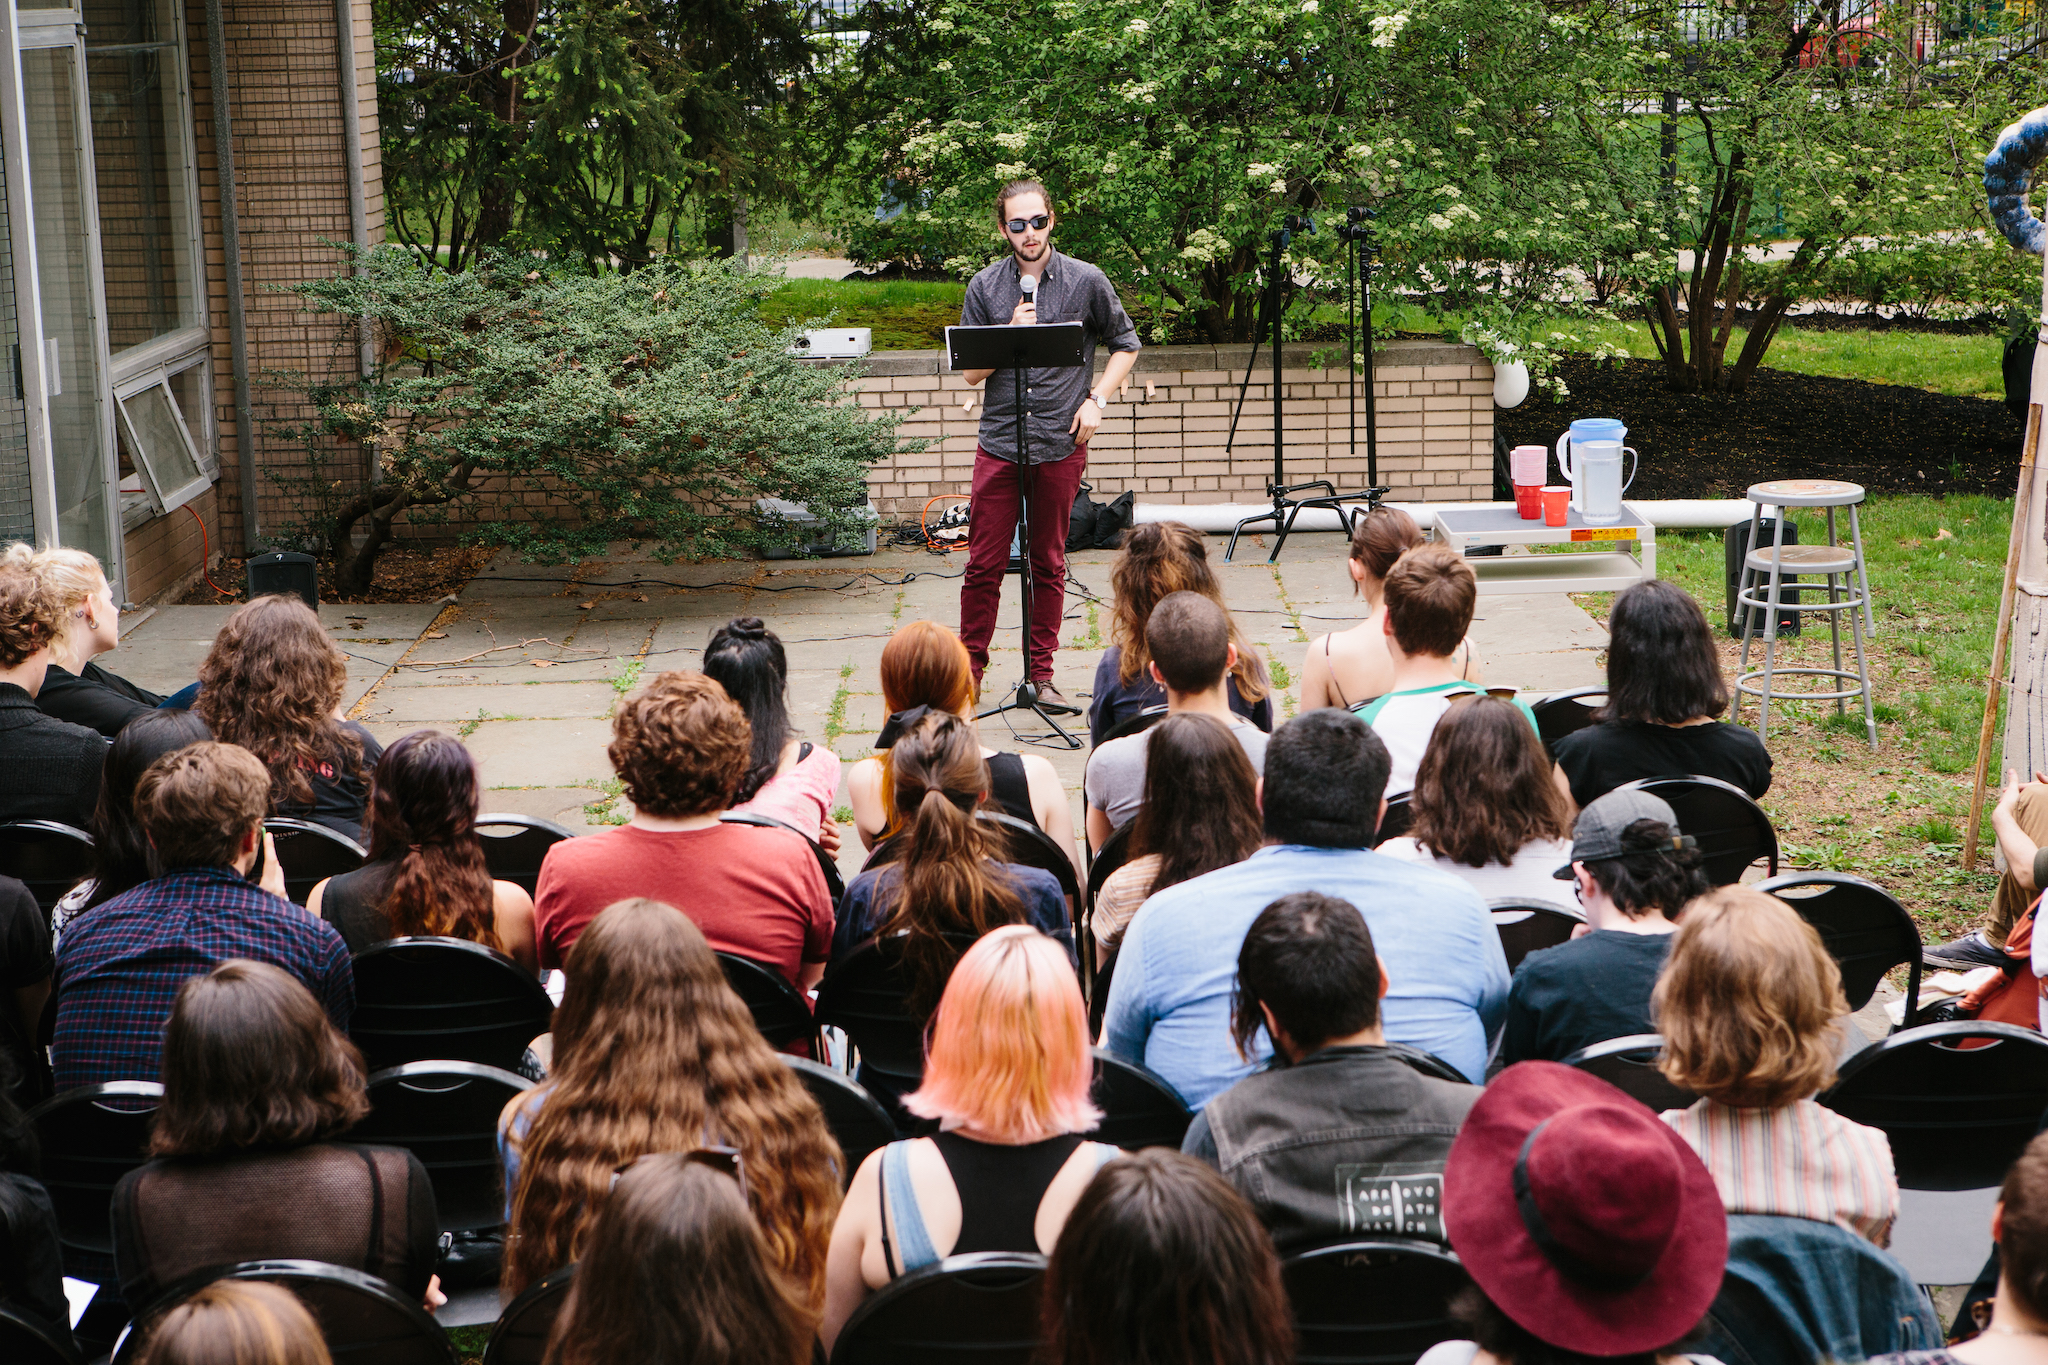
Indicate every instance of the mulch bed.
{"type": "Point", "coordinates": [403, 575]}
{"type": "Point", "coordinates": [1888, 437]}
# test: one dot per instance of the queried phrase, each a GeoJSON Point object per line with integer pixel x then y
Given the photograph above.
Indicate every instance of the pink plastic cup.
{"type": "Point", "coordinates": [1557, 501]}
{"type": "Point", "coordinates": [1526, 464]}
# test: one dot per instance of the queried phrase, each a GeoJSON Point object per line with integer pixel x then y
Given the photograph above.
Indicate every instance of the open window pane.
{"type": "Point", "coordinates": [193, 397]}
{"type": "Point", "coordinates": [160, 445]}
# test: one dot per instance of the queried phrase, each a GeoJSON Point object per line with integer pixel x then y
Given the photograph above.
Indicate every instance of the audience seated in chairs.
{"type": "Point", "coordinates": [1007, 1077]}
{"type": "Point", "coordinates": [680, 746]}
{"type": "Point", "coordinates": [1162, 1261]}
{"type": "Point", "coordinates": [237, 1322]}
{"type": "Point", "coordinates": [426, 873]}
{"type": "Point", "coordinates": [1169, 1006]}
{"type": "Point", "coordinates": [676, 1269]}
{"type": "Point", "coordinates": [2020, 823]}
{"type": "Point", "coordinates": [1485, 806]}
{"type": "Point", "coordinates": [1188, 638]}
{"type": "Point", "coordinates": [1750, 1005]}
{"type": "Point", "coordinates": [120, 849]}
{"type": "Point", "coordinates": [1665, 696]}
{"type": "Point", "coordinates": [1201, 812]}
{"type": "Point", "coordinates": [925, 668]}
{"type": "Point", "coordinates": [272, 683]}
{"type": "Point", "coordinates": [1591, 1231]}
{"type": "Point", "coordinates": [31, 1260]}
{"type": "Point", "coordinates": [244, 1164]}
{"type": "Point", "coordinates": [1430, 593]}
{"type": "Point", "coordinates": [1633, 871]}
{"type": "Point", "coordinates": [49, 768]}
{"type": "Point", "coordinates": [120, 965]}
{"type": "Point", "coordinates": [26, 969]}
{"type": "Point", "coordinates": [1348, 667]}
{"type": "Point", "coordinates": [76, 689]}
{"type": "Point", "coordinates": [653, 1052]}
{"type": "Point", "coordinates": [1157, 560]}
{"type": "Point", "coordinates": [787, 779]}
{"type": "Point", "coordinates": [1335, 1118]}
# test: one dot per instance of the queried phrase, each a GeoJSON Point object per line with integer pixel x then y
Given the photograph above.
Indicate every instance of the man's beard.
{"type": "Point", "coordinates": [1043, 248]}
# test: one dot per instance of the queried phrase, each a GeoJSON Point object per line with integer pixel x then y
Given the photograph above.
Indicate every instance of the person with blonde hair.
{"type": "Point", "coordinates": [49, 768]}
{"type": "Point", "coordinates": [924, 668]}
{"type": "Point", "coordinates": [1750, 1006]}
{"type": "Point", "coordinates": [89, 624]}
{"type": "Point", "coordinates": [1007, 1078]}
{"type": "Point", "coordinates": [237, 1322]}
{"type": "Point", "coordinates": [1349, 667]}
{"type": "Point", "coordinates": [654, 1052]}
{"type": "Point", "coordinates": [1158, 560]}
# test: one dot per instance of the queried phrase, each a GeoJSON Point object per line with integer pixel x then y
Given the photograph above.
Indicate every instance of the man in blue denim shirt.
{"type": "Point", "coordinates": [1169, 1005]}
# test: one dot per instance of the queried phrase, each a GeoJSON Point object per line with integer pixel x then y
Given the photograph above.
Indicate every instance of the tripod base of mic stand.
{"type": "Point", "coordinates": [1287, 508]}
{"type": "Point", "coordinates": [1026, 699]}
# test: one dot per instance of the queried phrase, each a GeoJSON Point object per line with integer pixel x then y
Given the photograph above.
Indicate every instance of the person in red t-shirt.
{"type": "Point", "coordinates": [680, 745]}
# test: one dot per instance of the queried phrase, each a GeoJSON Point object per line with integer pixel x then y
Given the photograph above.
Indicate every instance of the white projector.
{"type": "Point", "coordinates": [838, 343]}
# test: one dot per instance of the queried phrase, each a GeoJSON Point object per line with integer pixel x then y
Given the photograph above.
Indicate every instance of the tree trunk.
{"type": "Point", "coordinates": [498, 192]}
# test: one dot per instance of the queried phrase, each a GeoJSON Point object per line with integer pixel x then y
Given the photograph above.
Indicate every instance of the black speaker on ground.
{"type": "Point", "coordinates": [1735, 548]}
{"type": "Point", "coordinates": [282, 571]}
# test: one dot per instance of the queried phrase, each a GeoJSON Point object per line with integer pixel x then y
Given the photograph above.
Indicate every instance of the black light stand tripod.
{"type": "Point", "coordinates": [1286, 506]}
{"type": "Point", "coordinates": [1356, 233]}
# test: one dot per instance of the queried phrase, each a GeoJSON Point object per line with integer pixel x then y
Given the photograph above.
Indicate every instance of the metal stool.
{"type": "Point", "coordinates": [1763, 591]}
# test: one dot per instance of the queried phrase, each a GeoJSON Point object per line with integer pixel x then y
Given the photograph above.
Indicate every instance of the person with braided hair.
{"type": "Point", "coordinates": [426, 872]}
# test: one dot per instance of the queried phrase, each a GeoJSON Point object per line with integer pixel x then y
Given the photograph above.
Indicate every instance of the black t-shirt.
{"type": "Point", "coordinates": [1582, 992]}
{"type": "Point", "coordinates": [94, 698]}
{"type": "Point", "coordinates": [1602, 757]}
{"type": "Point", "coordinates": [31, 1265]}
{"type": "Point", "coordinates": [338, 795]}
{"type": "Point", "coordinates": [1114, 702]}
{"type": "Point", "coordinates": [25, 959]}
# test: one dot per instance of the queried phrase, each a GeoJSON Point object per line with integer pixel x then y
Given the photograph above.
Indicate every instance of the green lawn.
{"type": "Point", "coordinates": [1966, 366]}
{"type": "Point", "coordinates": [906, 315]}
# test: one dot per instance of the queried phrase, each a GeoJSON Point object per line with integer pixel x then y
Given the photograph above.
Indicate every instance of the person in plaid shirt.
{"type": "Point", "coordinates": [120, 965]}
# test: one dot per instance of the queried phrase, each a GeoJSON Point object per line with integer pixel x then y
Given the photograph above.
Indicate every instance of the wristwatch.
{"type": "Point", "coordinates": [1101, 403]}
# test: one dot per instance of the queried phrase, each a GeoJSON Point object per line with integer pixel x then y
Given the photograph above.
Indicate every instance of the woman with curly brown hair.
{"type": "Point", "coordinates": [272, 684]}
{"type": "Point", "coordinates": [655, 1053]}
{"type": "Point", "coordinates": [258, 1085]}
{"type": "Point", "coordinates": [1159, 559]}
{"type": "Point", "coordinates": [426, 872]}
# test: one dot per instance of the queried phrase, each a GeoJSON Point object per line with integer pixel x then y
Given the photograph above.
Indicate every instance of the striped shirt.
{"type": "Point", "coordinates": [1797, 1161]}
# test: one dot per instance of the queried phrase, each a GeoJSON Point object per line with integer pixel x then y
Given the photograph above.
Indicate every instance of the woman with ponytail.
{"type": "Point", "coordinates": [787, 779]}
{"type": "Point", "coordinates": [426, 873]}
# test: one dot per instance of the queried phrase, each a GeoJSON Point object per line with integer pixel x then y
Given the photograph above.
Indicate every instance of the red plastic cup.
{"type": "Point", "coordinates": [1557, 501]}
{"type": "Point", "coordinates": [1529, 500]}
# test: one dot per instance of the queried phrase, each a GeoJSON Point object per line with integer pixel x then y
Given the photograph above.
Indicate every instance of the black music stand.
{"type": "Point", "coordinates": [1017, 348]}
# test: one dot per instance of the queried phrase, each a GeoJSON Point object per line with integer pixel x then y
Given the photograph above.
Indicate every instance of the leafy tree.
{"type": "Point", "coordinates": [653, 406]}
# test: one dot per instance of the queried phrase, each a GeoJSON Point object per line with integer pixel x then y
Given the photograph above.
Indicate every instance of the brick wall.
{"type": "Point", "coordinates": [1434, 403]}
{"type": "Point", "coordinates": [164, 553]}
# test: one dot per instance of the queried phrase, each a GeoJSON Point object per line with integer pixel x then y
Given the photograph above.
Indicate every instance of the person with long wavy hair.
{"type": "Point", "coordinates": [924, 669]}
{"type": "Point", "coordinates": [676, 1270]}
{"type": "Point", "coordinates": [654, 1052]}
{"type": "Point", "coordinates": [787, 779]}
{"type": "Point", "coordinates": [426, 873]}
{"type": "Point", "coordinates": [272, 683]}
{"type": "Point", "coordinates": [1348, 667]}
{"type": "Point", "coordinates": [1158, 560]}
{"type": "Point", "coordinates": [1163, 1263]}
{"type": "Point", "coordinates": [1201, 812]}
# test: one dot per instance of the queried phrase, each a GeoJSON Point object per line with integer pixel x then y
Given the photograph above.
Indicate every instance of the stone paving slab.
{"type": "Point", "coordinates": [163, 652]}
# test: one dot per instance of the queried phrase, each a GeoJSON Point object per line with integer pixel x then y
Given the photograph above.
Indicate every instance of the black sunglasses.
{"type": "Point", "coordinates": [1019, 224]}
{"type": "Point", "coordinates": [724, 1160]}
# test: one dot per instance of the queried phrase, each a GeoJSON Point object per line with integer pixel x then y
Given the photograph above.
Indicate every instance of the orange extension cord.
{"type": "Point", "coordinates": [205, 552]}
{"type": "Point", "coordinates": [924, 514]}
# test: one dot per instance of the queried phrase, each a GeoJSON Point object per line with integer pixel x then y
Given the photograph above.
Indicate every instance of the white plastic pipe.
{"type": "Point", "coordinates": [1666, 514]}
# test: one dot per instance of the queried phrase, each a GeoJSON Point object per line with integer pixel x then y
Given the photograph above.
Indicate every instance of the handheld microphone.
{"type": "Point", "coordinates": [1029, 284]}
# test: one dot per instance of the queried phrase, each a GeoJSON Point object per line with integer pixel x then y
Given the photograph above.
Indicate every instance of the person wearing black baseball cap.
{"type": "Point", "coordinates": [1634, 870]}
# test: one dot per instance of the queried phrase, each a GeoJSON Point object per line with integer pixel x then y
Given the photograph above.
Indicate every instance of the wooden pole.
{"type": "Point", "coordinates": [1995, 676]}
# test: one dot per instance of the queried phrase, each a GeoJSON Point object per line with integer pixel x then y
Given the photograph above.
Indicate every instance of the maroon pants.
{"type": "Point", "coordinates": [994, 520]}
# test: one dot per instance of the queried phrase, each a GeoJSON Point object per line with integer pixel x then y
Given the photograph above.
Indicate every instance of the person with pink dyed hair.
{"type": "Point", "coordinates": [1006, 1076]}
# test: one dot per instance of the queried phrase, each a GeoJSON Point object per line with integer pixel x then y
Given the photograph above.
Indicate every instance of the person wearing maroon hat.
{"type": "Point", "coordinates": [1590, 1229]}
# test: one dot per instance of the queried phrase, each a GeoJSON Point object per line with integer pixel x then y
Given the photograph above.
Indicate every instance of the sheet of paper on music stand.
{"type": "Point", "coordinates": [77, 1295]}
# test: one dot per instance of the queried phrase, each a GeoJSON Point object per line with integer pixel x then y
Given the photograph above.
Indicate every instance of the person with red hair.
{"type": "Point", "coordinates": [1007, 1078]}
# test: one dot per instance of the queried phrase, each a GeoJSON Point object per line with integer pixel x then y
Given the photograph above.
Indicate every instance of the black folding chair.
{"type": "Point", "coordinates": [1731, 830]}
{"type": "Point", "coordinates": [445, 999]}
{"type": "Point", "coordinates": [858, 1123]}
{"type": "Point", "coordinates": [1131, 725]}
{"type": "Point", "coordinates": [1862, 927]}
{"type": "Point", "coordinates": [1371, 1302]}
{"type": "Point", "coordinates": [91, 1137]}
{"type": "Point", "coordinates": [1031, 846]}
{"type": "Point", "coordinates": [1139, 1109]}
{"type": "Point", "coordinates": [1114, 853]}
{"type": "Point", "coordinates": [1397, 821]}
{"type": "Point", "coordinates": [834, 883]}
{"type": "Point", "coordinates": [364, 1320]}
{"type": "Point", "coordinates": [1098, 993]}
{"type": "Point", "coordinates": [520, 1336]}
{"type": "Point", "coordinates": [780, 1010]}
{"type": "Point", "coordinates": [446, 1114]}
{"type": "Point", "coordinates": [1563, 713]}
{"type": "Point", "coordinates": [516, 845]}
{"type": "Point", "coordinates": [1527, 925]}
{"type": "Point", "coordinates": [28, 1340]}
{"type": "Point", "coordinates": [1630, 1066]}
{"type": "Point", "coordinates": [864, 994]}
{"type": "Point", "coordinates": [46, 856]}
{"type": "Point", "coordinates": [1957, 1116]}
{"type": "Point", "coordinates": [982, 1307]}
{"type": "Point", "coordinates": [310, 853]}
{"type": "Point", "coordinates": [1428, 1063]}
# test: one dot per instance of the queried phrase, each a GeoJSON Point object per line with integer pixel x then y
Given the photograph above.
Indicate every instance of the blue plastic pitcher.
{"type": "Point", "coordinates": [1586, 429]}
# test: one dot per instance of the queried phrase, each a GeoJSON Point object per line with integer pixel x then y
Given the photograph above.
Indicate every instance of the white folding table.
{"type": "Point", "coordinates": [1614, 557]}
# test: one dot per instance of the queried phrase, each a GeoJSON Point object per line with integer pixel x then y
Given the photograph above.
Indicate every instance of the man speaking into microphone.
{"type": "Point", "coordinates": [1062, 410]}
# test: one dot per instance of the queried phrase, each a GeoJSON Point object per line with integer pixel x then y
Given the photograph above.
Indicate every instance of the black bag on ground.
{"type": "Point", "coordinates": [1099, 525]}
